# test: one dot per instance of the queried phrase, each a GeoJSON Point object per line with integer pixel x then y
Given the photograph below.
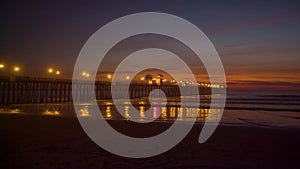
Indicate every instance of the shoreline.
{"type": "Point", "coordinates": [225, 121]}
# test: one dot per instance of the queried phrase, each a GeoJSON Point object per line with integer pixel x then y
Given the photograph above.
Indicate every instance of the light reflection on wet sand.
{"type": "Point", "coordinates": [159, 113]}
{"type": "Point", "coordinates": [51, 113]}
{"type": "Point", "coordinates": [109, 111]}
{"type": "Point", "coordinates": [84, 112]}
{"type": "Point", "coordinates": [10, 111]}
{"type": "Point", "coordinates": [250, 109]}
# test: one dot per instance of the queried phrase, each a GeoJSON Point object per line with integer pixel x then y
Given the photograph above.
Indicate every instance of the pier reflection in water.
{"type": "Point", "coordinates": [159, 113]}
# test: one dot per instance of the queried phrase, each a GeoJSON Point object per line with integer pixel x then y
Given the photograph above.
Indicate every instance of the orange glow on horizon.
{"type": "Point", "coordinates": [263, 86]}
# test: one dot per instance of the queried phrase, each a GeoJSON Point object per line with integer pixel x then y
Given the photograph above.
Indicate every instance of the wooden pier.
{"type": "Point", "coordinates": [25, 90]}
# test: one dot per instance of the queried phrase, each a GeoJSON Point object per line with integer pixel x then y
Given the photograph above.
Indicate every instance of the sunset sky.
{"type": "Point", "coordinates": [258, 41]}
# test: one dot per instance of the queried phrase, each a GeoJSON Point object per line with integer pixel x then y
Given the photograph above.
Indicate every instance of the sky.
{"type": "Point", "coordinates": [258, 41]}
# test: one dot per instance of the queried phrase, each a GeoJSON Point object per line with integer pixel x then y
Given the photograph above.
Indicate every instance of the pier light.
{"type": "Point", "coordinates": [142, 78]}
{"type": "Point", "coordinates": [16, 69]}
{"type": "Point", "coordinates": [127, 77]}
{"type": "Point", "coordinates": [50, 70]}
{"type": "Point", "coordinates": [85, 74]}
{"type": "Point", "coordinates": [109, 76]}
{"type": "Point", "coordinates": [58, 72]}
{"type": "Point", "coordinates": [1, 66]}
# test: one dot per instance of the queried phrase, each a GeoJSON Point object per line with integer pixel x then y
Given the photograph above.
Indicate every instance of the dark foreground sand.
{"type": "Point", "coordinates": [56, 142]}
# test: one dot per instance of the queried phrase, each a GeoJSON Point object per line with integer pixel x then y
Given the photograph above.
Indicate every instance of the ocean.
{"type": "Point", "coordinates": [243, 107]}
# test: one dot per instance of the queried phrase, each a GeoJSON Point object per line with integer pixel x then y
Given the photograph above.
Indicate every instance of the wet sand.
{"type": "Point", "coordinates": [57, 142]}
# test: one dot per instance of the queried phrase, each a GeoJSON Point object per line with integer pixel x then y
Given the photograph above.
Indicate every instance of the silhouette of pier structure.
{"type": "Point", "coordinates": [25, 90]}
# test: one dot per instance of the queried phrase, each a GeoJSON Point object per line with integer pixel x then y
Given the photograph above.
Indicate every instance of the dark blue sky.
{"type": "Point", "coordinates": [256, 40]}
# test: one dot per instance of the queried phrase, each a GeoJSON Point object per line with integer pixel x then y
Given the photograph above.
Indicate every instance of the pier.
{"type": "Point", "coordinates": [27, 90]}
